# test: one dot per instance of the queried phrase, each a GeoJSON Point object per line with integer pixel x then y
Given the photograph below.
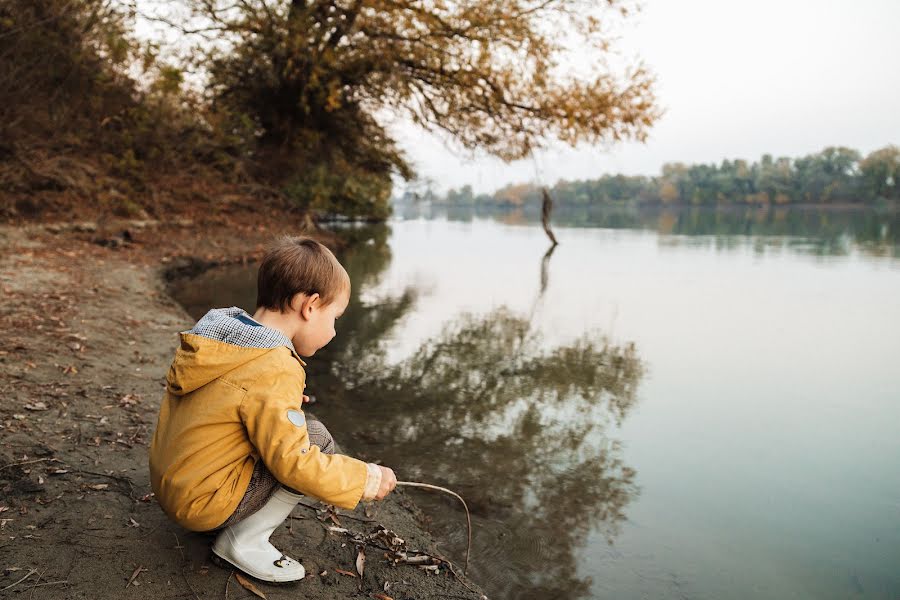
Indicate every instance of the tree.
{"type": "Point", "coordinates": [309, 80]}
{"type": "Point", "coordinates": [880, 172]}
{"type": "Point", "coordinates": [62, 63]}
{"type": "Point", "coordinates": [86, 112]}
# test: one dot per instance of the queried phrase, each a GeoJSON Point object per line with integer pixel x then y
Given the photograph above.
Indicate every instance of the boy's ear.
{"type": "Point", "coordinates": [304, 305]}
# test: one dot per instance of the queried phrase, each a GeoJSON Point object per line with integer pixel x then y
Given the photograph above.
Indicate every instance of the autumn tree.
{"type": "Point", "coordinates": [87, 113]}
{"type": "Point", "coordinates": [313, 81]}
{"type": "Point", "coordinates": [880, 172]}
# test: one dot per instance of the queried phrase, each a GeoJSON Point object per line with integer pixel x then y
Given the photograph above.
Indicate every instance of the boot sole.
{"type": "Point", "coordinates": [224, 563]}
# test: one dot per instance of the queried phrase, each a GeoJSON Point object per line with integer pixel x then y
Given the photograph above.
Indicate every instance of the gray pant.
{"type": "Point", "coordinates": [263, 484]}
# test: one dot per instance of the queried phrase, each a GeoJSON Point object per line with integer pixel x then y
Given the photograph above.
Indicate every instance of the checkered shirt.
{"type": "Point", "coordinates": [234, 326]}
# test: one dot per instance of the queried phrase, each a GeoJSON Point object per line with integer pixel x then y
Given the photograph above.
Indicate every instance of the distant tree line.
{"type": "Point", "coordinates": [836, 175]}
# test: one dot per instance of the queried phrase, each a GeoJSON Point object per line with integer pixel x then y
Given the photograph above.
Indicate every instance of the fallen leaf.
{"type": "Point", "coordinates": [133, 523]}
{"type": "Point", "coordinates": [129, 400]}
{"type": "Point", "coordinates": [249, 586]}
{"type": "Point", "coordinates": [4, 509]}
{"type": "Point", "coordinates": [99, 486]}
{"type": "Point", "coordinates": [36, 406]}
{"type": "Point", "coordinates": [343, 572]}
{"type": "Point", "coordinates": [59, 471]}
{"type": "Point", "coordinates": [361, 561]}
{"type": "Point", "coordinates": [134, 576]}
{"type": "Point", "coordinates": [382, 597]}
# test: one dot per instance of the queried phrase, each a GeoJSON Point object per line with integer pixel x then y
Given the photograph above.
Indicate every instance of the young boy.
{"type": "Point", "coordinates": [232, 449]}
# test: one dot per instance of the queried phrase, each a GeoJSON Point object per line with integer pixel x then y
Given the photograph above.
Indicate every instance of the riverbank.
{"type": "Point", "coordinates": [87, 332]}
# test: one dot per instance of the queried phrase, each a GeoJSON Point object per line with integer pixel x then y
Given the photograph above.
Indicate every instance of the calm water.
{"type": "Point", "coordinates": [667, 406]}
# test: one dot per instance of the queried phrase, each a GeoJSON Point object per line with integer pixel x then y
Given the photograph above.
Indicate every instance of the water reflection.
{"type": "Point", "coordinates": [520, 428]}
{"type": "Point", "coordinates": [830, 232]}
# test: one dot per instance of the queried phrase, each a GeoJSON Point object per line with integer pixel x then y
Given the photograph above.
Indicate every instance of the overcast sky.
{"type": "Point", "coordinates": [737, 79]}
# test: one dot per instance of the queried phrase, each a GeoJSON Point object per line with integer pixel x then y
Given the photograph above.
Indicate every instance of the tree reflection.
{"type": "Point", "coordinates": [366, 256]}
{"type": "Point", "coordinates": [519, 428]}
{"type": "Point", "coordinates": [820, 232]}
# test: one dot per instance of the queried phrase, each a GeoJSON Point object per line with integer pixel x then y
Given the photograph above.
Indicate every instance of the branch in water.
{"type": "Point", "coordinates": [438, 488]}
{"type": "Point", "coordinates": [546, 209]}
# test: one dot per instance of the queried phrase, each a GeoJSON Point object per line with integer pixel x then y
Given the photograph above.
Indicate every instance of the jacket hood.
{"type": "Point", "coordinates": [223, 340]}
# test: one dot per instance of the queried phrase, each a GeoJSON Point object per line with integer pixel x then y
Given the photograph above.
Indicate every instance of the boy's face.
{"type": "Point", "coordinates": [318, 330]}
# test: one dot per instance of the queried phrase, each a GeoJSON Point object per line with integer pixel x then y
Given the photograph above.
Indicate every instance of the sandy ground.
{"type": "Point", "coordinates": [87, 332]}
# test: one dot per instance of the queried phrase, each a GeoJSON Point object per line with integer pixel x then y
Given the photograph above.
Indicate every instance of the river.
{"type": "Point", "coordinates": [691, 404]}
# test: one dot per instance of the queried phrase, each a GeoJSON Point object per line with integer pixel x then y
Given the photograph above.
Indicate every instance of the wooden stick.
{"type": "Point", "coordinates": [27, 575]}
{"type": "Point", "coordinates": [438, 488]}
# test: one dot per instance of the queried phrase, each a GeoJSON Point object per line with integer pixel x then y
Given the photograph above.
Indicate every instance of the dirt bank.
{"type": "Point", "coordinates": [87, 332]}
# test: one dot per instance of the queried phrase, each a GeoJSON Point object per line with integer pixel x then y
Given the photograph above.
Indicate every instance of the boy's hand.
{"type": "Point", "coordinates": [388, 482]}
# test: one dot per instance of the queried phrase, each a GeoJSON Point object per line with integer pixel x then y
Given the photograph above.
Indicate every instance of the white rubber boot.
{"type": "Point", "coordinates": [246, 543]}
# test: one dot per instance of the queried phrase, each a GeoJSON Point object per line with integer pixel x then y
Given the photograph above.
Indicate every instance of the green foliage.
{"type": "Point", "coordinates": [880, 173]}
{"type": "Point", "coordinates": [835, 175]}
{"type": "Point", "coordinates": [339, 188]}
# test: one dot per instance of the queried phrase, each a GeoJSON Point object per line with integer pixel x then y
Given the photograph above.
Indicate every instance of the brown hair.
{"type": "Point", "coordinates": [298, 265]}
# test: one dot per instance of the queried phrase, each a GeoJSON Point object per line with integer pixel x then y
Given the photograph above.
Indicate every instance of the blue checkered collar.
{"type": "Point", "coordinates": [235, 326]}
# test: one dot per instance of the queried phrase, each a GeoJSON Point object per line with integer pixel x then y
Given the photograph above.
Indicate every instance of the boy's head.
{"type": "Point", "coordinates": [301, 279]}
{"type": "Point", "coordinates": [299, 265]}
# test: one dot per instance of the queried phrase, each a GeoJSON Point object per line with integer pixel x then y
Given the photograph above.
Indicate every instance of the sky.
{"type": "Point", "coordinates": [736, 79]}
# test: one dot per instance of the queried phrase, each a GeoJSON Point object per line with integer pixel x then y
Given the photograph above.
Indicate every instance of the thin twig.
{"type": "Point", "coordinates": [361, 519]}
{"type": "Point", "coordinates": [41, 576]}
{"type": "Point", "coordinates": [178, 546]}
{"type": "Point", "coordinates": [428, 486]}
{"type": "Point", "coordinates": [27, 575]}
{"type": "Point", "coordinates": [315, 508]}
{"type": "Point", "coordinates": [134, 575]}
{"type": "Point", "coordinates": [341, 515]}
{"type": "Point", "coordinates": [63, 582]}
{"type": "Point", "coordinates": [28, 462]}
{"type": "Point", "coordinates": [183, 565]}
{"type": "Point", "coordinates": [461, 580]}
{"type": "Point", "coordinates": [190, 587]}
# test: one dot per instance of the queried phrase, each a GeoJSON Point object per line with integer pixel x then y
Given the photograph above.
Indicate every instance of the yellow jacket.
{"type": "Point", "coordinates": [227, 406]}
